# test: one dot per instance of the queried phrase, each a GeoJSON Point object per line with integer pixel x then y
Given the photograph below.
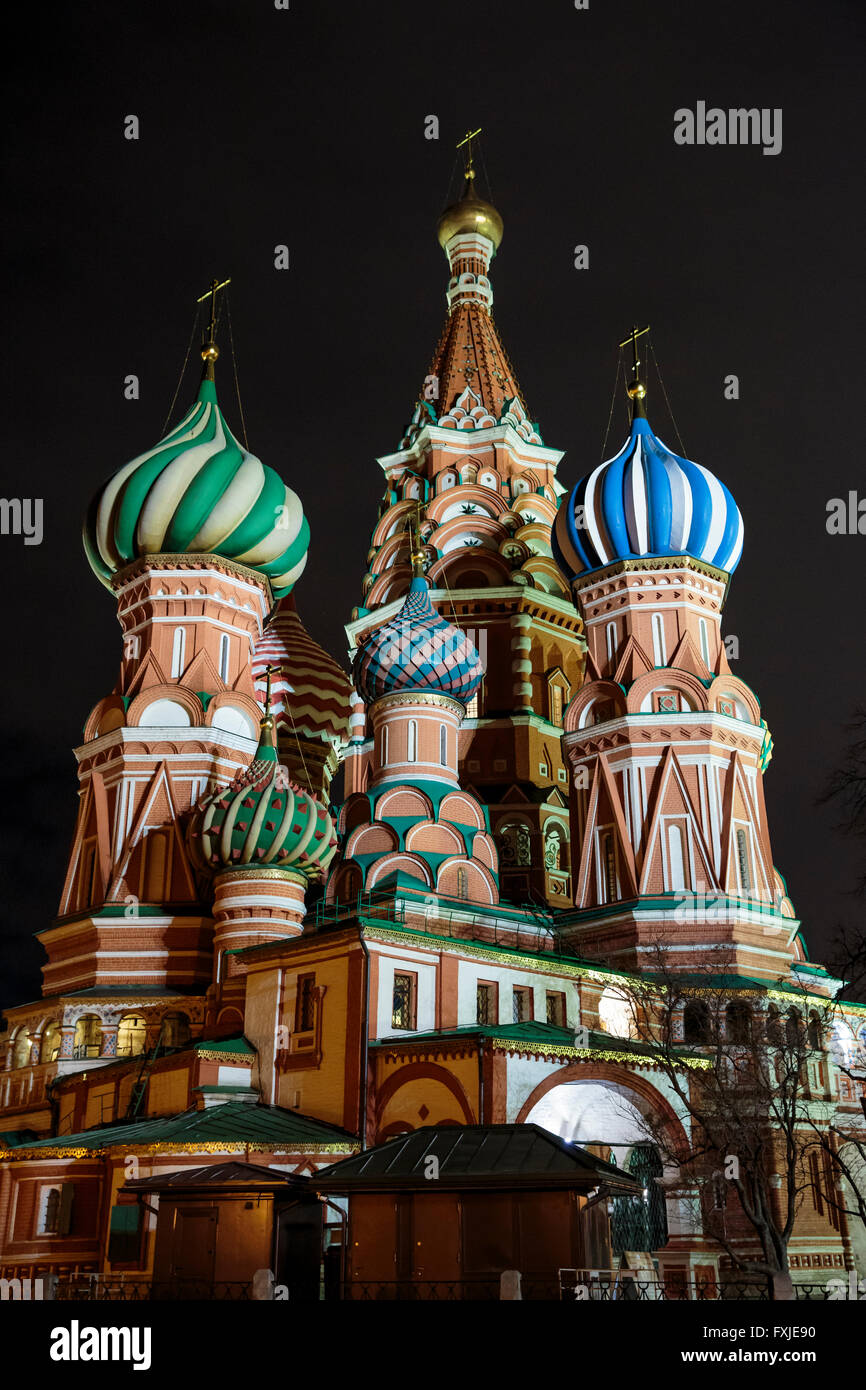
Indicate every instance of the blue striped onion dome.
{"type": "Point", "coordinates": [198, 491]}
{"type": "Point", "coordinates": [646, 501]}
{"type": "Point", "coordinates": [417, 651]}
{"type": "Point", "coordinates": [262, 820]}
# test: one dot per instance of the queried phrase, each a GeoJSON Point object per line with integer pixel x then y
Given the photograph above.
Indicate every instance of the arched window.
{"type": "Point", "coordinates": [793, 1028]}
{"type": "Point", "coordinates": [175, 1030]}
{"type": "Point", "coordinates": [412, 742]}
{"type": "Point", "coordinates": [87, 1038]}
{"type": "Point", "coordinates": [816, 1032]}
{"type": "Point", "coordinates": [225, 650]}
{"type": "Point", "coordinates": [132, 1035]}
{"type": "Point", "coordinates": [154, 865]}
{"type": "Point", "coordinates": [676, 863]}
{"type": "Point", "coordinates": [610, 634]}
{"type": "Point", "coordinates": [659, 650]}
{"type": "Point", "coordinates": [743, 861]}
{"type": "Point", "coordinates": [739, 1021]}
{"type": "Point", "coordinates": [556, 701]}
{"type": "Point", "coordinates": [178, 649]}
{"type": "Point", "coordinates": [443, 745]}
{"type": "Point", "coordinates": [705, 640]}
{"type": "Point", "coordinates": [50, 1050]}
{"type": "Point", "coordinates": [384, 748]}
{"type": "Point", "coordinates": [696, 1023]}
{"type": "Point", "coordinates": [774, 1026]}
{"type": "Point", "coordinates": [462, 890]}
{"type": "Point", "coordinates": [21, 1050]}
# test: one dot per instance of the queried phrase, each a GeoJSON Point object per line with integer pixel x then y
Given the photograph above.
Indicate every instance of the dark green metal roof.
{"type": "Point", "coordinates": [473, 1155]}
{"type": "Point", "coordinates": [234, 1122]}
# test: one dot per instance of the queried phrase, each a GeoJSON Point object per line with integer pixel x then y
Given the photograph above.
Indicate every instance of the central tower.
{"type": "Point", "coordinates": [474, 477]}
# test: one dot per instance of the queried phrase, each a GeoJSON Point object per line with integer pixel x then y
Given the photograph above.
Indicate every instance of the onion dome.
{"type": "Point", "coordinates": [261, 820]}
{"type": "Point", "coordinates": [198, 491]}
{"type": "Point", "coordinates": [311, 693]}
{"type": "Point", "coordinates": [417, 651]}
{"type": "Point", "coordinates": [470, 214]}
{"type": "Point", "coordinates": [646, 501]}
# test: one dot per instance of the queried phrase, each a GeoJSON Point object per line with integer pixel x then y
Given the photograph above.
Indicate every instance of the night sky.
{"type": "Point", "coordinates": [305, 127]}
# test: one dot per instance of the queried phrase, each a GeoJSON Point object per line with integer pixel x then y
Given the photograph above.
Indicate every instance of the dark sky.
{"type": "Point", "coordinates": [306, 127]}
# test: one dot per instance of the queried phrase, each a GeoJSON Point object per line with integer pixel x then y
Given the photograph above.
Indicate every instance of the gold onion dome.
{"type": "Point", "coordinates": [470, 214]}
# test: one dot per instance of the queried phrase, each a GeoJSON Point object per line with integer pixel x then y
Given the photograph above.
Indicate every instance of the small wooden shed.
{"type": "Point", "coordinates": [444, 1211]}
{"type": "Point", "coordinates": [218, 1226]}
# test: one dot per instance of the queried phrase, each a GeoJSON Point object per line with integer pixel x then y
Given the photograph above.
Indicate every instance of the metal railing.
{"type": "Point", "coordinates": [118, 1288]}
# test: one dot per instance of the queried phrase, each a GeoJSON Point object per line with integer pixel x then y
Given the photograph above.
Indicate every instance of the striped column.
{"type": "Point", "coordinates": [521, 665]}
{"type": "Point", "coordinates": [252, 906]}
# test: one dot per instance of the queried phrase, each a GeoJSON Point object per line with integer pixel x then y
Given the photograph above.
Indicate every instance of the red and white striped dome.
{"type": "Point", "coordinates": [311, 693]}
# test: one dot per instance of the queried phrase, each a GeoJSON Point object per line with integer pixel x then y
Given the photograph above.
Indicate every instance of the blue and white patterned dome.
{"type": "Point", "coordinates": [647, 501]}
{"type": "Point", "coordinates": [417, 651]}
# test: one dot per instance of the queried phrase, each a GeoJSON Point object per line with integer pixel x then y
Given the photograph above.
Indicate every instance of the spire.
{"type": "Point", "coordinates": [209, 350]}
{"type": "Point", "coordinates": [636, 389]}
{"type": "Point", "coordinates": [267, 748]}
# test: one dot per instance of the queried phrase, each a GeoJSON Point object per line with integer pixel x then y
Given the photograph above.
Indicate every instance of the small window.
{"type": "Point", "coordinates": [49, 1211]}
{"type": "Point", "coordinates": [556, 1008]}
{"type": "Point", "coordinates": [305, 1005]}
{"type": "Point", "coordinates": [739, 1021]}
{"type": "Point", "coordinates": [472, 706]}
{"type": "Point", "coordinates": [610, 634]}
{"type": "Point", "coordinates": [816, 1032]}
{"type": "Point", "coordinates": [521, 1004]}
{"type": "Point", "coordinates": [178, 649]}
{"type": "Point", "coordinates": [562, 774]}
{"type": "Point", "coordinates": [676, 864]}
{"type": "Point", "coordinates": [556, 703]}
{"type": "Point", "coordinates": [225, 646]}
{"type": "Point", "coordinates": [544, 770]}
{"type": "Point", "coordinates": [412, 747]}
{"type": "Point", "coordinates": [705, 641]}
{"type": "Point", "coordinates": [403, 1006]}
{"type": "Point", "coordinates": [384, 748]}
{"type": "Point", "coordinates": [443, 745]}
{"type": "Point", "coordinates": [462, 888]}
{"type": "Point", "coordinates": [485, 1003]}
{"type": "Point", "coordinates": [743, 861]}
{"type": "Point", "coordinates": [696, 1023]}
{"type": "Point", "coordinates": [607, 855]}
{"type": "Point", "coordinates": [727, 707]}
{"type": "Point", "coordinates": [659, 649]}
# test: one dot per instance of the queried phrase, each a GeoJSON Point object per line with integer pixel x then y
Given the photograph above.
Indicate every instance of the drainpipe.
{"type": "Point", "coordinates": [365, 1029]}
{"type": "Point", "coordinates": [481, 1079]}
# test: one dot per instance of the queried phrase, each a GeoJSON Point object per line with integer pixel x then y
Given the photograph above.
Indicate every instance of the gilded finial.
{"type": "Point", "coordinates": [266, 723]}
{"type": "Point", "coordinates": [416, 548]}
{"type": "Point", "coordinates": [209, 350]}
{"type": "Point", "coordinates": [469, 157]}
{"type": "Point", "coordinates": [636, 390]}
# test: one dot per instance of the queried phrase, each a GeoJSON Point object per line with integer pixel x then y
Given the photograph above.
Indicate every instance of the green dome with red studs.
{"type": "Point", "coordinates": [261, 820]}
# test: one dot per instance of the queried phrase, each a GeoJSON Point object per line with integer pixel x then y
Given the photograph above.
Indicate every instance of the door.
{"type": "Point", "coordinates": [193, 1251]}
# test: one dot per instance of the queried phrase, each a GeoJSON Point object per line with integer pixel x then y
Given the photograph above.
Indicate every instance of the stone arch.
{"type": "Point", "coordinates": [242, 705]}
{"type": "Point", "coordinates": [375, 838]}
{"type": "Point", "coordinates": [738, 691]}
{"type": "Point", "coordinates": [167, 695]}
{"type": "Point", "coordinates": [666, 679]}
{"type": "Point", "coordinates": [432, 837]}
{"type": "Point", "coordinates": [355, 812]}
{"type": "Point", "coordinates": [404, 801]}
{"type": "Point", "coordinates": [411, 864]}
{"type": "Point", "coordinates": [579, 713]}
{"type": "Point", "coordinates": [477, 884]}
{"type": "Point", "coordinates": [108, 714]}
{"type": "Point", "coordinates": [461, 809]}
{"type": "Point", "coordinates": [484, 850]}
{"type": "Point", "coordinates": [643, 1095]}
{"type": "Point", "coordinates": [418, 1071]}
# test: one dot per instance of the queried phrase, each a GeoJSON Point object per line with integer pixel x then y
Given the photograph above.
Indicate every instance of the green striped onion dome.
{"type": "Point", "coordinates": [262, 820]}
{"type": "Point", "coordinates": [198, 491]}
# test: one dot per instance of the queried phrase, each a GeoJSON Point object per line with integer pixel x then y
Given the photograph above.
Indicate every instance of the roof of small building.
{"type": "Point", "coordinates": [232, 1174]}
{"type": "Point", "coordinates": [516, 1155]}
{"type": "Point", "coordinates": [233, 1123]}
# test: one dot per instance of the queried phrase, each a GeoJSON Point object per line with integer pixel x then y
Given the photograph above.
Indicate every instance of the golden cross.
{"type": "Point", "coordinates": [212, 292]}
{"type": "Point", "coordinates": [470, 135]}
{"type": "Point", "coordinates": [632, 338]}
{"type": "Point", "coordinates": [269, 671]}
{"type": "Point", "coordinates": [416, 546]}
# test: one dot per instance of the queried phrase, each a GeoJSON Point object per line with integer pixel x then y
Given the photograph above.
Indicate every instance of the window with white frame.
{"type": "Point", "coordinates": [225, 651]}
{"type": "Point", "coordinates": [412, 742]}
{"type": "Point", "coordinates": [659, 649]}
{"type": "Point", "coordinates": [178, 650]}
{"type": "Point", "coordinates": [676, 858]}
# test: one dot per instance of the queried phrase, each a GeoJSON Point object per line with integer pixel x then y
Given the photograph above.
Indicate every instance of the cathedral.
{"type": "Point", "coordinates": [548, 774]}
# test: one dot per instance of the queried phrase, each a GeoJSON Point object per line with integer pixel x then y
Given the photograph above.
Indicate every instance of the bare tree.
{"type": "Point", "coordinates": [738, 1062]}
